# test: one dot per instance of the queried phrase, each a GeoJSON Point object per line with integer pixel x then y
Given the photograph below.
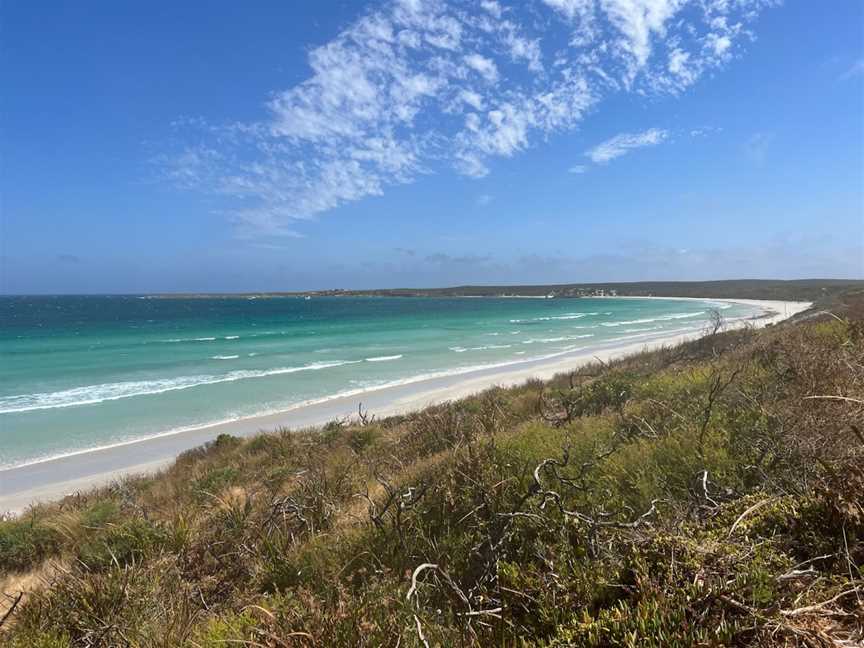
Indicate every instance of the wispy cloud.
{"type": "Point", "coordinates": [578, 168]}
{"type": "Point", "coordinates": [704, 131]}
{"type": "Point", "coordinates": [624, 143]}
{"type": "Point", "coordinates": [484, 199]}
{"type": "Point", "coordinates": [69, 258]}
{"type": "Point", "coordinates": [756, 147]}
{"type": "Point", "coordinates": [856, 69]}
{"type": "Point", "coordinates": [414, 86]}
{"type": "Point", "coordinates": [440, 258]}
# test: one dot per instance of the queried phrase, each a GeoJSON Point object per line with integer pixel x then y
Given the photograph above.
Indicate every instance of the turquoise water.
{"type": "Point", "coordinates": [86, 372]}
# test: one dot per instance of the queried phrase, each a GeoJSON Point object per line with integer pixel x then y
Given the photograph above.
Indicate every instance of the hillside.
{"type": "Point", "coordinates": [816, 290]}
{"type": "Point", "coordinates": [709, 494]}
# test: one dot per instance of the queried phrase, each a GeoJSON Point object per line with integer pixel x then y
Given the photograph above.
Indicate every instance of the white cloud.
{"type": "Point", "coordinates": [473, 99]}
{"type": "Point", "coordinates": [578, 168]}
{"type": "Point", "coordinates": [524, 49]}
{"type": "Point", "coordinates": [570, 8]}
{"type": "Point", "coordinates": [624, 143]}
{"type": "Point", "coordinates": [678, 61]}
{"type": "Point", "coordinates": [484, 199]}
{"type": "Point", "coordinates": [416, 85]}
{"type": "Point", "coordinates": [639, 22]}
{"type": "Point", "coordinates": [492, 7]}
{"type": "Point", "coordinates": [704, 131]}
{"type": "Point", "coordinates": [485, 66]}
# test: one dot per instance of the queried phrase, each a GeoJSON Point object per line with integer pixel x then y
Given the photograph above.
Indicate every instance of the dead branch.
{"type": "Point", "coordinates": [716, 322]}
{"type": "Point", "coordinates": [705, 489]}
{"type": "Point", "coordinates": [718, 386]}
{"type": "Point", "coordinates": [818, 606]}
{"type": "Point", "coordinates": [493, 612]}
{"type": "Point", "coordinates": [750, 510]}
{"type": "Point", "coordinates": [363, 416]}
{"type": "Point", "coordinates": [420, 632]}
{"type": "Point", "coordinates": [837, 398]}
{"type": "Point", "coordinates": [12, 608]}
{"type": "Point", "coordinates": [420, 569]}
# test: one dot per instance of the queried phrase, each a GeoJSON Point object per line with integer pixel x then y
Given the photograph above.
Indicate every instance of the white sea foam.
{"type": "Point", "coordinates": [92, 394]}
{"type": "Point", "coordinates": [224, 357]}
{"type": "Point", "coordinates": [486, 347]}
{"type": "Point", "coordinates": [232, 337]}
{"type": "Point", "coordinates": [383, 358]}
{"type": "Point", "coordinates": [563, 338]}
{"type": "Point", "coordinates": [567, 316]}
{"type": "Point", "coordinates": [649, 320]}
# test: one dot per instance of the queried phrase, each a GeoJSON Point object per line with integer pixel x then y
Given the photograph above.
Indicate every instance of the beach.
{"type": "Point", "coordinates": [57, 477]}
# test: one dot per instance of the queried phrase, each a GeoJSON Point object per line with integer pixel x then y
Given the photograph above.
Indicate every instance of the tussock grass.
{"type": "Point", "coordinates": [695, 495]}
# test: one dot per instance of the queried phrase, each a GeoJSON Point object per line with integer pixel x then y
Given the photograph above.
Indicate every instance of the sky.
{"type": "Point", "coordinates": [177, 147]}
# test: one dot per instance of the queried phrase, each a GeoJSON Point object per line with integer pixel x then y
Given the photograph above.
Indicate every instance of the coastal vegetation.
{"type": "Point", "coordinates": [776, 289]}
{"type": "Point", "coordinates": [784, 290]}
{"type": "Point", "coordinates": [814, 290]}
{"type": "Point", "coordinates": [710, 494]}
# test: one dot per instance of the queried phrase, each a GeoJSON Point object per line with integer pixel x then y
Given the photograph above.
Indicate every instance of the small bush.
{"type": "Point", "coordinates": [25, 543]}
{"type": "Point", "coordinates": [123, 544]}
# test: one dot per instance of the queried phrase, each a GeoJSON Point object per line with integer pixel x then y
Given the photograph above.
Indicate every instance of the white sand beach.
{"type": "Point", "coordinates": [56, 478]}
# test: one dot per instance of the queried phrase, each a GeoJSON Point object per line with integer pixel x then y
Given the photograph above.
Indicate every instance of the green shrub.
{"type": "Point", "coordinates": [362, 437]}
{"type": "Point", "coordinates": [215, 481]}
{"type": "Point", "coordinates": [125, 543]}
{"type": "Point", "coordinates": [26, 542]}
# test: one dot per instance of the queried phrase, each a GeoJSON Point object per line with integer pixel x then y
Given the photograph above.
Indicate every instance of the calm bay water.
{"type": "Point", "coordinates": [78, 373]}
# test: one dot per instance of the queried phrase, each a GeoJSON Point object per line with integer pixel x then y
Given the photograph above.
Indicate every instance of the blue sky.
{"type": "Point", "coordinates": [167, 146]}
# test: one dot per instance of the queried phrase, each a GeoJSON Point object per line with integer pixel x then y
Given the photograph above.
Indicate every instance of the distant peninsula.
{"type": "Point", "coordinates": [809, 289]}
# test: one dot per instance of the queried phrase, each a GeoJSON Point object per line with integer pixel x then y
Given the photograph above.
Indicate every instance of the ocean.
{"type": "Point", "coordinates": [84, 372]}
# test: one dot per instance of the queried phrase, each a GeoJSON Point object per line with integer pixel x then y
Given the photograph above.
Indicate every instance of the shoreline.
{"type": "Point", "coordinates": [54, 478]}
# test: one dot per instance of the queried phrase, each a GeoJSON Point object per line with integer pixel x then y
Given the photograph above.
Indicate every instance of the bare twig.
{"type": "Point", "coordinates": [837, 398]}
{"type": "Point", "coordinates": [750, 510]}
{"type": "Point", "coordinates": [417, 572]}
{"type": "Point", "coordinates": [11, 609]}
{"type": "Point", "coordinates": [818, 606]}
{"type": "Point", "coordinates": [420, 632]}
{"type": "Point", "coordinates": [363, 416]}
{"type": "Point", "coordinates": [705, 488]}
{"type": "Point", "coordinates": [493, 612]}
